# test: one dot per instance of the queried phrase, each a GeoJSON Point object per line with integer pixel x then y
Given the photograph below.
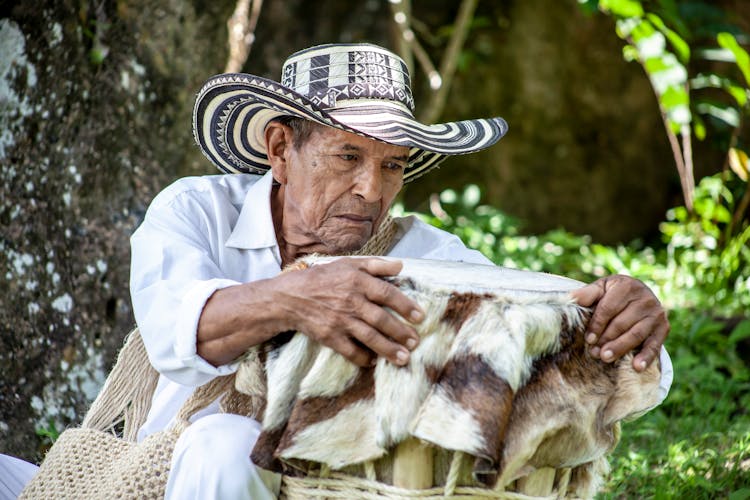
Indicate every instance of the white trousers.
{"type": "Point", "coordinates": [212, 461]}
{"type": "Point", "coordinates": [14, 475]}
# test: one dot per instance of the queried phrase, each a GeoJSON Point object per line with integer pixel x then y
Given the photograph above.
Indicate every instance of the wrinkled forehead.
{"type": "Point", "coordinates": [335, 137]}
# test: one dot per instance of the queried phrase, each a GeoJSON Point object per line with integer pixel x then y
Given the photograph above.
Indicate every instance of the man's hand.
{"type": "Point", "coordinates": [340, 304]}
{"type": "Point", "coordinates": [627, 314]}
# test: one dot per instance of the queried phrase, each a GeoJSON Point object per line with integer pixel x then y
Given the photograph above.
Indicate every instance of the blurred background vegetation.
{"type": "Point", "coordinates": [627, 153]}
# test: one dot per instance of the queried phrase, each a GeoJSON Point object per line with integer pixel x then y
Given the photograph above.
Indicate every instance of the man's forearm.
{"type": "Point", "coordinates": [237, 318]}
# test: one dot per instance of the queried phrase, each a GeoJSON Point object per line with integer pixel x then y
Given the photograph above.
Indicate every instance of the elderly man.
{"type": "Point", "coordinates": [319, 159]}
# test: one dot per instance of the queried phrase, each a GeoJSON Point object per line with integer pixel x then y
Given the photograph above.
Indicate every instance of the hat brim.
{"type": "Point", "coordinates": [232, 110]}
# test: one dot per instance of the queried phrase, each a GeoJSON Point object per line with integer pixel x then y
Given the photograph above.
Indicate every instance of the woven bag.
{"type": "Point", "coordinates": [93, 462]}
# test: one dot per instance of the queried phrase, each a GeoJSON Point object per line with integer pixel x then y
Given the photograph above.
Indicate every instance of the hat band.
{"type": "Point", "coordinates": [329, 97]}
{"type": "Point", "coordinates": [325, 77]}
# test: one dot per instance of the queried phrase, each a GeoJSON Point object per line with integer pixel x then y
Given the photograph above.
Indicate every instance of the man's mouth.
{"type": "Point", "coordinates": [356, 218]}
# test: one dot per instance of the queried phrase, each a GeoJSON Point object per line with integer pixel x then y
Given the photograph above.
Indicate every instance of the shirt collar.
{"type": "Point", "coordinates": [254, 228]}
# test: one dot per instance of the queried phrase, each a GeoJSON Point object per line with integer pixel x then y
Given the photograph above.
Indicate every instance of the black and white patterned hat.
{"type": "Point", "coordinates": [359, 88]}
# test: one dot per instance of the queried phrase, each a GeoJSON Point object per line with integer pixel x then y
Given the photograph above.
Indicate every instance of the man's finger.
{"type": "Point", "coordinates": [380, 344]}
{"type": "Point", "coordinates": [351, 351]}
{"type": "Point", "coordinates": [379, 267]}
{"type": "Point", "coordinates": [387, 324]}
{"type": "Point", "coordinates": [651, 348]}
{"type": "Point", "coordinates": [609, 306]}
{"type": "Point", "coordinates": [621, 322]}
{"type": "Point", "coordinates": [387, 295]}
{"type": "Point", "coordinates": [626, 341]}
{"type": "Point", "coordinates": [588, 295]}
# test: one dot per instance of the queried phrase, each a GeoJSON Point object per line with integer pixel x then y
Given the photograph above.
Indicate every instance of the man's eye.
{"type": "Point", "coordinates": [394, 166]}
{"type": "Point", "coordinates": [346, 157]}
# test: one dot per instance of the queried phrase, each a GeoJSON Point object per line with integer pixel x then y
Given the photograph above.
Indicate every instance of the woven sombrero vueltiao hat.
{"type": "Point", "coordinates": [359, 88]}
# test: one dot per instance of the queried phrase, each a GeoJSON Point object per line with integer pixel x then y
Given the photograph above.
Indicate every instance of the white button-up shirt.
{"type": "Point", "coordinates": [205, 233]}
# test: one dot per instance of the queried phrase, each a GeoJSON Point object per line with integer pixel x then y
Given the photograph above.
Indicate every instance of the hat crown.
{"type": "Point", "coordinates": [329, 74]}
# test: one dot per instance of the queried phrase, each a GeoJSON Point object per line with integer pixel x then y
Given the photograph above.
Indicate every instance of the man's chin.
{"type": "Point", "coordinates": [348, 247]}
{"type": "Point", "coordinates": [346, 243]}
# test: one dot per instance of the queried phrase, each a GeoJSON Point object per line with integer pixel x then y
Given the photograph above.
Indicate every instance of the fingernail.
{"type": "Point", "coordinates": [595, 352]}
{"type": "Point", "coordinates": [607, 355]}
{"type": "Point", "coordinates": [642, 365]}
{"type": "Point", "coordinates": [373, 361]}
{"type": "Point", "coordinates": [402, 356]}
{"type": "Point", "coordinates": [591, 337]}
{"type": "Point", "coordinates": [411, 344]}
{"type": "Point", "coordinates": [416, 315]}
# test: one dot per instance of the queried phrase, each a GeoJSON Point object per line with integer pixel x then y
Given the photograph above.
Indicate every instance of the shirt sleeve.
{"type": "Point", "coordinates": [173, 274]}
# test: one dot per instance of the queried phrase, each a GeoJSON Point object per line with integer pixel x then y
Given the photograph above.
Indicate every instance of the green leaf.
{"type": "Point", "coordinates": [741, 57]}
{"type": "Point", "coordinates": [739, 163]}
{"type": "Point", "coordinates": [622, 8]}
{"type": "Point", "coordinates": [719, 55]}
{"type": "Point", "coordinates": [741, 494]}
{"type": "Point", "coordinates": [589, 6]}
{"type": "Point", "coordinates": [699, 127]}
{"type": "Point", "coordinates": [740, 94]}
{"type": "Point", "coordinates": [712, 80]}
{"type": "Point", "coordinates": [667, 72]}
{"type": "Point", "coordinates": [624, 27]}
{"type": "Point", "coordinates": [471, 196]}
{"type": "Point", "coordinates": [630, 53]}
{"type": "Point", "coordinates": [680, 46]}
{"type": "Point", "coordinates": [719, 111]}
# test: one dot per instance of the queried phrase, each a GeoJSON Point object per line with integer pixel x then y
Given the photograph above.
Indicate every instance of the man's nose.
{"type": "Point", "coordinates": [369, 183]}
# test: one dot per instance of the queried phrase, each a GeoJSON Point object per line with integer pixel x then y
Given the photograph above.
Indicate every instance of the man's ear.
{"type": "Point", "coordinates": [278, 143]}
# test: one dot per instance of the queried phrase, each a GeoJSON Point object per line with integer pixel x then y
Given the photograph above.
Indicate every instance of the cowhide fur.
{"type": "Point", "coordinates": [501, 373]}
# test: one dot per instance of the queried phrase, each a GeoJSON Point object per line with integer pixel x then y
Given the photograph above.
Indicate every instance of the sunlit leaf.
{"type": "Point", "coordinates": [699, 127]}
{"type": "Point", "coordinates": [722, 112]}
{"type": "Point", "coordinates": [740, 94]}
{"type": "Point", "coordinates": [624, 27]}
{"type": "Point", "coordinates": [703, 80]}
{"type": "Point", "coordinates": [448, 196]}
{"type": "Point", "coordinates": [680, 46]}
{"type": "Point", "coordinates": [712, 80]}
{"type": "Point", "coordinates": [679, 115]}
{"type": "Point", "coordinates": [471, 196]}
{"type": "Point", "coordinates": [645, 30]}
{"type": "Point", "coordinates": [629, 53]}
{"type": "Point", "coordinates": [652, 45]}
{"type": "Point", "coordinates": [741, 56]}
{"type": "Point", "coordinates": [738, 162]}
{"type": "Point", "coordinates": [623, 8]}
{"type": "Point", "coordinates": [719, 55]}
{"type": "Point", "coordinates": [674, 96]}
{"type": "Point", "coordinates": [666, 72]}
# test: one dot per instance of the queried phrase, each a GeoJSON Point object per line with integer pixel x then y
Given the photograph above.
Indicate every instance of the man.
{"type": "Point", "coordinates": [320, 159]}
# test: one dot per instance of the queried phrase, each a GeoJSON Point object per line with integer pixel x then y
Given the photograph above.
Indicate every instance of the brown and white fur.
{"type": "Point", "coordinates": [501, 373]}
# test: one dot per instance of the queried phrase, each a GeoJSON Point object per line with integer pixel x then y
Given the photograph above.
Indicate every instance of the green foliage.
{"type": "Point", "coordinates": [497, 235]}
{"type": "Point", "coordinates": [697, 444]}
{"type": "Point", "coordinates": [707, 266]}
{"type": "Point", "coordinates": [669, 39]}
{"type": "Point", "coordinates": [48, 433]}
{"type": "Point", "coordinates": [665, 39]}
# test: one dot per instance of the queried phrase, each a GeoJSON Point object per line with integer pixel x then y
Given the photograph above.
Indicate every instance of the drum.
{"type": "Point", "coordinates": [499, 400]}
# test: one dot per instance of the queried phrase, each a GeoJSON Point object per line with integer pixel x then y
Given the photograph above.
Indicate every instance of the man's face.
{"type": "Point", "coordinates": [337, 188]}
